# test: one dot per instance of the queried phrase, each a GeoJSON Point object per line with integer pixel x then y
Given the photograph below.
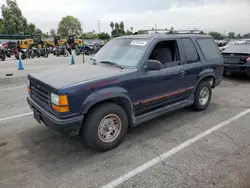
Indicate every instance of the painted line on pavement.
{"type": "Point", "coordinates": [12, 88]}
{"type": "Point", "coordinates": [171, 152]}
{"type": "Point", "coordinates": [16, 116]}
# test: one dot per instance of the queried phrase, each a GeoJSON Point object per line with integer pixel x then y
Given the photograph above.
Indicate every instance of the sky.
{"type": "Point", "coordinates": [207, 15]}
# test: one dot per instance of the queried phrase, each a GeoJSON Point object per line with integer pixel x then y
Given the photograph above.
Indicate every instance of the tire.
{"type": "Point", "coordinates": [23, 56]}
{"type": "Point", "coordinates": [3, 57]}
{"type": "Point", "coordinates": [66, 54]}
{"type": "Point", "coordinates": [77, 52]}
{"type": "Point", "coordinates": [46, 55]}
{"type": "Point", "coordinates": [198, 104]}
{"type": "Point", "coordinates": [225, 73]}
{"type": "Point", "coordinates": [91, 131]}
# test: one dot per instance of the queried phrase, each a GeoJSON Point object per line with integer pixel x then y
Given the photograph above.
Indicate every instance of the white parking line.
{"type": "Point", "coordinates": [12, 88]}
{"type": "Point", "coordinates": [171, 152]}
{"type": "Point", "coordinates": [16, 116]}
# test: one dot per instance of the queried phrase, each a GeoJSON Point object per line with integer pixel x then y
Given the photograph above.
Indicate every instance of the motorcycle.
{"type": "Point", "coordinates": [62, 51]}
{"type": "Point", "coordinates": [37, 52]}
{"type": "Point", "coordinates": [86, 49]}
{"type": "Point", "coordinates": [26, 53]}
{"type": "Point", "coordinates": [2, 54]}
{"type": "Point", "coordinates": [44, 52]}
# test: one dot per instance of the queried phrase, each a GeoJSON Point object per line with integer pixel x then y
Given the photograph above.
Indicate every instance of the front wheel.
{"type": "Point", "coordinates": [66, 54]}
{"type": "Point", "coordinates": [202, 96]}
{"type": "Point", "coordinates": [46, 55]}
{"type": "Point", "coordinates": [77, 52]}
{"type": "Point", "coordinates": [3, 57]}
{"type": "Point", "coordinates": [23, 56]}
{"type": "Point", "coordinates": [105, 127]}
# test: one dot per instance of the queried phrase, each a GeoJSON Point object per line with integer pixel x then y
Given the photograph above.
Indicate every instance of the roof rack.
{"type": "Point", "coordinates": [169, 31]}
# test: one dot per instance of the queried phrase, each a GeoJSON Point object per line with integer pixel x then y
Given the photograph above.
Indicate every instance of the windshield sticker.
{"type": "Point", "coordinates": [138, 43]}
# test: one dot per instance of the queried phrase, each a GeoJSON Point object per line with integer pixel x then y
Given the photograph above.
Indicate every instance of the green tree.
{"type": "Point", "coordinates": [13, 19]}
{"type": "Point", "coordinates": [52, 32]}
{"type": "Point", "coordinates": [31, 29]}
{"type": "Point", "coordinates": [1, 26]}
{"type": "Point", "coordinates": [216, 35]}
{"type": "Point", "coordinates": [112, 25]}
{"type": "Point", "coordinates": [104, 36]}
{"type": "Point", "coordinates": [129, 32]}
{"type": "Point", "coordinates": [122, 26]}
{"type": "Point", "coordinates": [89, 35]}
{"type": "Point", "coordinates": [141, 32]}
{"type": "Point", "coordinates": [38, 31]}
{"type": "Point", "coordinates": [231, 35]}
{"type": "Point", "coordinates": [238, 36]}
{"type": "Point", "coordinates": [69, 25]}
{"type": "Point", "coordinates": [247, 36]}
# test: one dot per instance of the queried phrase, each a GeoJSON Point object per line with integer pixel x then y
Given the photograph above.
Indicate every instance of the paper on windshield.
{"type": "Point", "coordinates": [139, 43]}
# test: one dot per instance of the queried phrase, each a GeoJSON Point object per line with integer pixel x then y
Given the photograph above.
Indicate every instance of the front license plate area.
{"type": "Point", "coordinates": [37, 116]}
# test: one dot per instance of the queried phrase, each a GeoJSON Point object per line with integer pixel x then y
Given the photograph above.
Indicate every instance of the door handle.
{"type": "Point", "coordinates": [182, 72]}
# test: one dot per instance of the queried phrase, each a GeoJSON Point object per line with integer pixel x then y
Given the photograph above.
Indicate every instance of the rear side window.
{"type": "Point", "coordinates": [190, 50]}
{"type": "Point", "coordinates": [209, 49]}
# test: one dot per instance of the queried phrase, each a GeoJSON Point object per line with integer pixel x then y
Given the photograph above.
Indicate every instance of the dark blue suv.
{"type": "Point", "coordinates": [131, 80]}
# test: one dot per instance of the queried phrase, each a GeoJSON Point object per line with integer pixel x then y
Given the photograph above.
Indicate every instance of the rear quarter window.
{"type": "Point", "coordinates": [209, 49]}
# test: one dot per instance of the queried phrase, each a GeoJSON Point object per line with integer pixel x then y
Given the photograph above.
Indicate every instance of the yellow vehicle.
{"type": "Point", "coordinates": [27, 43]}
{"type": "Point", "coordinates": [72, 41]}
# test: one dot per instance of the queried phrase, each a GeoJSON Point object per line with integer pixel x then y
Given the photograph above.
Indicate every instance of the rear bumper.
{"type": "Point", "coordinates": [66, 127]}
{"type": "Point", "coordinates": [237, 68]}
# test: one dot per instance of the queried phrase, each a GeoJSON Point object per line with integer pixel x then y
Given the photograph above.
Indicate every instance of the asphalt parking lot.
{"type": "Point", "coordinates": [181, 149]}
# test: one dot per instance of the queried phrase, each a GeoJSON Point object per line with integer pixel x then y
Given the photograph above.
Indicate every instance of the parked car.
{"type": "Point", "coordinates": [131, 80]}
{"type": "Point", "coordinates": [237, 58]}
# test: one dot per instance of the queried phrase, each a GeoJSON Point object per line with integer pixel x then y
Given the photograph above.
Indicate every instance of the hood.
{"type": "Point", "coordinates": [62, 77]}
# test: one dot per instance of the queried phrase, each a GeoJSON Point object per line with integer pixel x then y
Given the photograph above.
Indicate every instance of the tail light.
{"type": "Point", "coordinates": [248, 59]}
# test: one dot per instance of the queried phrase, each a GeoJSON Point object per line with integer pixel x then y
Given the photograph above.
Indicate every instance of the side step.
{"type": "Point", "coordinates": [163, 110]}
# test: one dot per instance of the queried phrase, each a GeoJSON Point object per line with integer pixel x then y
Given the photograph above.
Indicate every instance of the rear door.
{"type": "Point", "coordinates": [192, 65]}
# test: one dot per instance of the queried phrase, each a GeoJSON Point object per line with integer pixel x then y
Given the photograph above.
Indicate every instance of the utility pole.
{"type": "Point", "coordinates": [99, 27]}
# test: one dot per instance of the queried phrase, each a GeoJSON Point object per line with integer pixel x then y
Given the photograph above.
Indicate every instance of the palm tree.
{"type": "Point", "coordinates": [112, 25]}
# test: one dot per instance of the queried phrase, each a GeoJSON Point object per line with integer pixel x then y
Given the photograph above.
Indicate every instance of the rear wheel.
{"type": "Point", "coordinates": [105, 127]}
{"type": "Point", "coordinates": [202, 95]}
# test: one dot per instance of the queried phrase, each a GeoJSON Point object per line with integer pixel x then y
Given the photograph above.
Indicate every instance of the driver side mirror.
{"type": "Point", "coordinates": [153, 65]}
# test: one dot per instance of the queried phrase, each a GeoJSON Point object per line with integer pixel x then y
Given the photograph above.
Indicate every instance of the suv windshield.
{"type": "Point", "coordinates": [124, 52]}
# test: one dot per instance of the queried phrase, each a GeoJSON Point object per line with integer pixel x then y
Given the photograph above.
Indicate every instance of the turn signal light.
{"type": "Point", "coordinates": [60, 103]}
{"type": "Point", "coordinates": [248, 59]}
{"type": "Point", "coordinates": [60, 108]}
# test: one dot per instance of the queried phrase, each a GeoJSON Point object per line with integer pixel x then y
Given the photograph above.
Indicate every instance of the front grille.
{"type": "Point", "coordinates": [40, 92]}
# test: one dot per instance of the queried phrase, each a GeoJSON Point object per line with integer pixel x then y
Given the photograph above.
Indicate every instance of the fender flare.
{"type": "Point", "coordinates": [204, 76]}
{"type": "Point", "coordinates": [105, 94]}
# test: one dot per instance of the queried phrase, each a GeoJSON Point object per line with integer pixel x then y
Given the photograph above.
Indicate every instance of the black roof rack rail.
{"type": "Point", "coordinates": [169, 31]}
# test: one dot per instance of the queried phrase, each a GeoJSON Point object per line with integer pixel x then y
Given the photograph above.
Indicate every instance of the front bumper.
{"type": "Point", "coordinates": [237, 68]}
{"type": "Point", "coordinates": [66, 127]}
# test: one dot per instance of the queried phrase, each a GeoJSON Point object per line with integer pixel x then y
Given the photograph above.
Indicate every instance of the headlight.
{"type": "Point", "coordinates": [54, 99]}
{"type": "Point", "coordinates": [28, 83]}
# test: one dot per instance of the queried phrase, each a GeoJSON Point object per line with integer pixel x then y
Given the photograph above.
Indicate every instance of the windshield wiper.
{"type": "Point", "coordinates": [112, 63]}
